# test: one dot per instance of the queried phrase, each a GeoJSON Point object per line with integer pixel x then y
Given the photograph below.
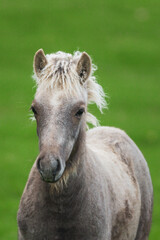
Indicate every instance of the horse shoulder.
{"type": "Point", "coordinates": [115, 141]}
{"type": "Point", "coordinates": [116, 167]}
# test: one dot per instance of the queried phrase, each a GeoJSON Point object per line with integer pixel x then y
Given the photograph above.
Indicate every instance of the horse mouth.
{"type": "Point", "coordinates": [51, 178]}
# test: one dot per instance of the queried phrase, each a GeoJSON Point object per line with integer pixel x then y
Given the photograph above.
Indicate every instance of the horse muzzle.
{"type": "Point", "coordinates": [50, 167]}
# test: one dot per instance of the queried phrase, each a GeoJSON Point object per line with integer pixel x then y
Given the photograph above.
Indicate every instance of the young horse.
{"type": "Point", "coordinates": [92, 185]}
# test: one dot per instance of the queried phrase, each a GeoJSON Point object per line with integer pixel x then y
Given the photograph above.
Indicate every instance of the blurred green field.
{"type": "Point", "coordinates": [122, 37]}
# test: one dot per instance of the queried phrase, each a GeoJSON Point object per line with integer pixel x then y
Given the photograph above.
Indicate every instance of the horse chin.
{"type": "Point", "coordinates": [50, 180]}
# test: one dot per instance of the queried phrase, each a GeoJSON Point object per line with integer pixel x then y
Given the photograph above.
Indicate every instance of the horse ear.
{"type": "Point", "coordinates": [84, 67]}
{"type": "Point", "coordinates": [39, 62]}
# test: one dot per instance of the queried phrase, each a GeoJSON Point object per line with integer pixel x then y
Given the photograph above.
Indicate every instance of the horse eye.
{"type": "Point", "coordinates": [79, 113]}
{"type": "Point", "coordinates": [33, 110]}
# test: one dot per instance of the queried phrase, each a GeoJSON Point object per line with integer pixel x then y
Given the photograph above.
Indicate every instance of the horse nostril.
{"type": "Point", "coordinates": [39, 166]}
{"type": "Point", "coordinates": [59, 165]}
{"type": "Point", "coordinates": [56, 166]}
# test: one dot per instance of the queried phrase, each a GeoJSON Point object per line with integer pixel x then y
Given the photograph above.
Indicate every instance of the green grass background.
{"type": "Point", "coordinates": [123, 39]}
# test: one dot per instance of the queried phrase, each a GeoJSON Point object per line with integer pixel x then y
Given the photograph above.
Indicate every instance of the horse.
{"type": "Point", "coordinates": [86, 183]}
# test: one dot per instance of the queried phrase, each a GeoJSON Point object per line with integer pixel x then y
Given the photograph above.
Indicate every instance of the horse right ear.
{"type": "Point", "coordinates": [39, 62]}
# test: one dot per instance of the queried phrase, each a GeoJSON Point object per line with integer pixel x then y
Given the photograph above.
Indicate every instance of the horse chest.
{"type": "Point", "coordinates": [63, 224]}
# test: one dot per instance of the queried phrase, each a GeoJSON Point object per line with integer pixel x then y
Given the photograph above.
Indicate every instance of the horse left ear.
{"type": "Point", "coordinates": [39, 62]}
{"type": "Point", "coordinates": [84, 67]}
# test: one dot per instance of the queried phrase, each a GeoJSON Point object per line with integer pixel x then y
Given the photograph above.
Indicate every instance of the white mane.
{"type": "Point", "coordinates": [60, 72]}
